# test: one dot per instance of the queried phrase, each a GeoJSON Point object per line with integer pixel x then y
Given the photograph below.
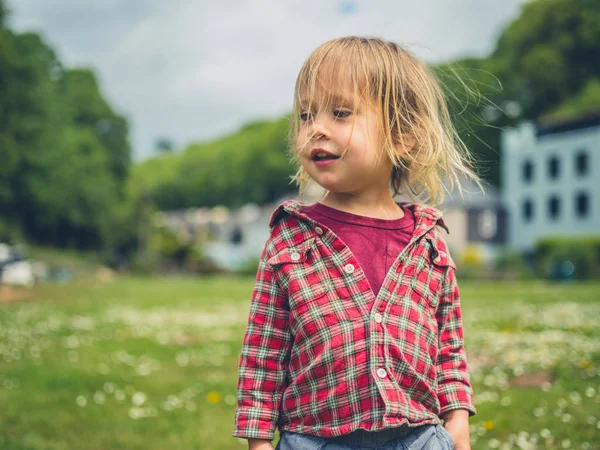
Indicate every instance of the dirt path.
{"type": "Point", "coordinates": [10, 294]}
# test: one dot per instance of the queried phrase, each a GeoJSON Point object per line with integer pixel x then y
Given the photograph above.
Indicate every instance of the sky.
{"type": "Point", "coordinates": [194, 70]}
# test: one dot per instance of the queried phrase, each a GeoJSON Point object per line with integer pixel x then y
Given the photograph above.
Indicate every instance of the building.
{"type": "Point", "coordinates": [477, 221]}
{"type": "Point", "coordinates": [550, 180]}
{"type": "Point", "coordinates": [240, 238]}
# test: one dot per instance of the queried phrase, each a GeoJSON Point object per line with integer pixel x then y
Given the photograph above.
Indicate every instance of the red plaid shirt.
{"type": "Point", "coordinates": [322, 355]}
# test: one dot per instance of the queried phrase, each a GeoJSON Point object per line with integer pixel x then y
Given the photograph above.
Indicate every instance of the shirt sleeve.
{"type": "Point", "coordinates": [263, 361]}
{"type": "Point", "coordinates": [454, 387]}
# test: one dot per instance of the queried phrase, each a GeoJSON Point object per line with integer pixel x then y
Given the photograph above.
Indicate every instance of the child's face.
{"type": "Point", "coordinates": [354, 137]}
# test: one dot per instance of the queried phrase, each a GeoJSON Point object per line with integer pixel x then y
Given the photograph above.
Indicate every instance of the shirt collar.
{"type": "Point", "coordinates": [425, 216]}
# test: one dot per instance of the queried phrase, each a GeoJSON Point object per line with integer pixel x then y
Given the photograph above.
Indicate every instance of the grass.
{"type": "Point", "coordinates": [152, 363]}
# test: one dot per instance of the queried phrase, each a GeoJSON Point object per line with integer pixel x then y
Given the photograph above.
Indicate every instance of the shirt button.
{"type": "Point", "coordinates": [295, 256]}
{"type": "Point", "coordinates": [378, 318]}
{"type": "Point", "coordinates": [349, 268]}
{"type": "Point", "coordinates": [319, 230]}
{"type": "Point", "coordinates": [381, 373]}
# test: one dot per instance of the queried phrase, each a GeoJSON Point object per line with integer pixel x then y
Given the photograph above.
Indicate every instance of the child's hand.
{"type": "Point", "coordinates": [457, 424]}
{"type": "Point", "coordinates": [259, 444]}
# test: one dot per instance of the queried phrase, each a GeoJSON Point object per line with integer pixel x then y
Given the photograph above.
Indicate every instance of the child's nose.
{"type": "Point", "coordinates": [320, 128]}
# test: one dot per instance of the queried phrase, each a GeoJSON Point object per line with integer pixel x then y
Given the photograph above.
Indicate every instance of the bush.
{"type": "Point", "coordinates": [145, 262]}
{"type": "Point", "coordinates": [511, 264]}
{"type": "Point", "coordinates": [10, 232]}
{"type": "Point", "coordinates": [470, 262]}
{"type": "Point", "coordinates": [249, 267]}
{"type": "Point", "coordinates": [568, 257]}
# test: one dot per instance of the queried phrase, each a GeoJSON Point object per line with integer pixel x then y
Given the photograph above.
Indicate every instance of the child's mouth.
{"type": "Point", "coordinates": [325, 157]}
{"type": "Point", "coordinates": [322, 157]}
{"type": "Point", "coordinates": [320, 154]}
{"type": "Point", "coordinates": [322, 161]}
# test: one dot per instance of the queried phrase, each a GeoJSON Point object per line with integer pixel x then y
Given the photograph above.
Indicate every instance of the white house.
{"type": "Point", "coordinates": [551, 180]}
{"type": "Point", "coordinates": [241, 237]}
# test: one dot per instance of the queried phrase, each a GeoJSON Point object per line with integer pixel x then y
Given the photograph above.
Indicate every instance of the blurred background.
{"type": "Point", "coordinates": [143, 149]}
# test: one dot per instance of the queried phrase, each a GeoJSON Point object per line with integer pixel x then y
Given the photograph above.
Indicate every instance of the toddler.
{"type": "Point", "coordinates": [354, 337]}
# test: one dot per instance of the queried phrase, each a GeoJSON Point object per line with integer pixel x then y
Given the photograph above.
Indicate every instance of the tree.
{"type": "Point", "coordinates": [164, 145]}
{"type": "Point", "coordinates": [550, 51]}
{"type": "Point", "coordinates": [547, 56]}
{"type": "Point", "coordinates": [3, 13]}
{"type": "Point", "coordinates": [89, 109]}
{"type": "Point", "coordinates": [65, 153]}
{"type": "Point", "coordinates": [30, 121]}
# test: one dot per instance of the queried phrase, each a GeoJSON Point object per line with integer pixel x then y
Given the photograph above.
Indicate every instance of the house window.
{"type": "Point", "coordinates": [553, 207]}
{"type": "Point", "coordinates": [528, 172]}
{"type": "Point", "coordinates": [487, 224]}
{"type": "Point", "coordinates": [581, 163]}
{"type": "Point", "coordinates": [553, 168]}
{"type": "Point", "coordinates": [236, 237]}
{"type": "Point", "coordinates": [582, 204]}
{"type": "Point", "coordinates": [527, 210]}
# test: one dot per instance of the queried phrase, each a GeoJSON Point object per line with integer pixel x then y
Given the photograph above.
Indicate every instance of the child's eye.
{"type": "Point", "coordinates": [305, 116]}
{"type": "Point", "coordinates": [341, 113]}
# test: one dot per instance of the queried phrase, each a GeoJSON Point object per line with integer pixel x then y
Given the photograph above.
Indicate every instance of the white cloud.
{"type": "Point", "coordinates": [193, 70]}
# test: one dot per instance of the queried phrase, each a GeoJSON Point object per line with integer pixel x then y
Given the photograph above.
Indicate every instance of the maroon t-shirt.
{"type": "Point", "coordinates": [376, 243]}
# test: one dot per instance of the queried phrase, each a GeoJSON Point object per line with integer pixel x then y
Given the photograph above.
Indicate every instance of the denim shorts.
{"type": "Point", "coordinates": [426, 437]}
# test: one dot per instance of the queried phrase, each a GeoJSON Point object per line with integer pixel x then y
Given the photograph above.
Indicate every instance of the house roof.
{"type": "Point", "coordinates": [587, 120]}
{"type": "Point", "coordinates": [472, 196]}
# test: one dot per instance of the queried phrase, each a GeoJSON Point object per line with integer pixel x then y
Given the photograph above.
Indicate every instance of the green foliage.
{"type": "Point", "coordinates": [512, 264]}
{"type": "Point", "coordinates": [10, 232]}
{"type": "Point", "coordinates": [585, 102]}
{"type": "Point", "coordinates": [145, 262]}
{"type": "Point", "coordinates": [28, 115]}
{"type": "Point", "coordinates": [165, 242]}
{"type": "Point", "coordinates": [583, 253]}
{"type": "Point", "coordinates": [248, 166]}
{"type": "Point", "coordinates": [545, 62]}
{"type": "Point", "coordinates": [90, 110]}
{"type": "Point", "coordinates": [249, 267]}
{"type": "Point", "coordinates": [152, 174]}
{"type": "Point", "coordinates": [168, 251]}
{"type": "Point", "coordinates": [65, 153]}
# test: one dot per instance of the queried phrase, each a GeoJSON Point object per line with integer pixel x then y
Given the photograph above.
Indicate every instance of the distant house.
{"type": "Point", "coordinates": [240, 237]}
{"type": "Point", "coordinates": [476, 220]}
{"type": "Point", "coordinates": [14, 268]}
{"type": "Point", "coordinates": [550, 179]}
{"type": "Point", "coordinates": [231, 238]}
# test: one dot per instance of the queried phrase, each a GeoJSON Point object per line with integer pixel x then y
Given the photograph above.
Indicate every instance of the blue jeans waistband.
{"type": "Point", "coordinates": [372, 438]}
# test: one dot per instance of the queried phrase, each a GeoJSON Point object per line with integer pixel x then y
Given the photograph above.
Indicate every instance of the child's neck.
{"type": "Point", "coordinates": [383, 207]}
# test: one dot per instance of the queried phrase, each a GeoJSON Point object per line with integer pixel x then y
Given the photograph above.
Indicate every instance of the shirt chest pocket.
{"type": "Point", "coordinates": [314, 303]}
{"type": "Point", "coordinates": [302, 271]}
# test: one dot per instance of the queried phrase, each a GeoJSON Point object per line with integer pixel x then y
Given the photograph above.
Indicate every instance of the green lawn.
{"type": "Point", "coordinates": [151, 363]}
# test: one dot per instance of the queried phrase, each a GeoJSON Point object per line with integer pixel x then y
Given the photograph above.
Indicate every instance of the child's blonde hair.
{"type": "Point", "coordinates": [412, 107]}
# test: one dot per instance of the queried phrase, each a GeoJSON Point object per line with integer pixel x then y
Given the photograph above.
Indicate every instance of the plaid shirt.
{"type": "Point", "coordinates": [322, 355]}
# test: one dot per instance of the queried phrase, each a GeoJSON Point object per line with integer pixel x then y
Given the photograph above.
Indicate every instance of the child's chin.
{"type": "Point", "coordinates": [329, 186]}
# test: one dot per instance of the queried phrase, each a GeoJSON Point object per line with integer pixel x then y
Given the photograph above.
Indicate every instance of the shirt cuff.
{"type": "Point", "coordinates": [456, 396]}
{"type": "Point", "coordinates": [256, 423]}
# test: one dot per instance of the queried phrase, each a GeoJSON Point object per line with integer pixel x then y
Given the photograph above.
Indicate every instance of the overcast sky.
{"type": "Point", "coordinates": [192, 70]}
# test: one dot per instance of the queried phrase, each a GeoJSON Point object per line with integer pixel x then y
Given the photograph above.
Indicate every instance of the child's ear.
{"type": "Point", "coordinates": [406, 143]}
